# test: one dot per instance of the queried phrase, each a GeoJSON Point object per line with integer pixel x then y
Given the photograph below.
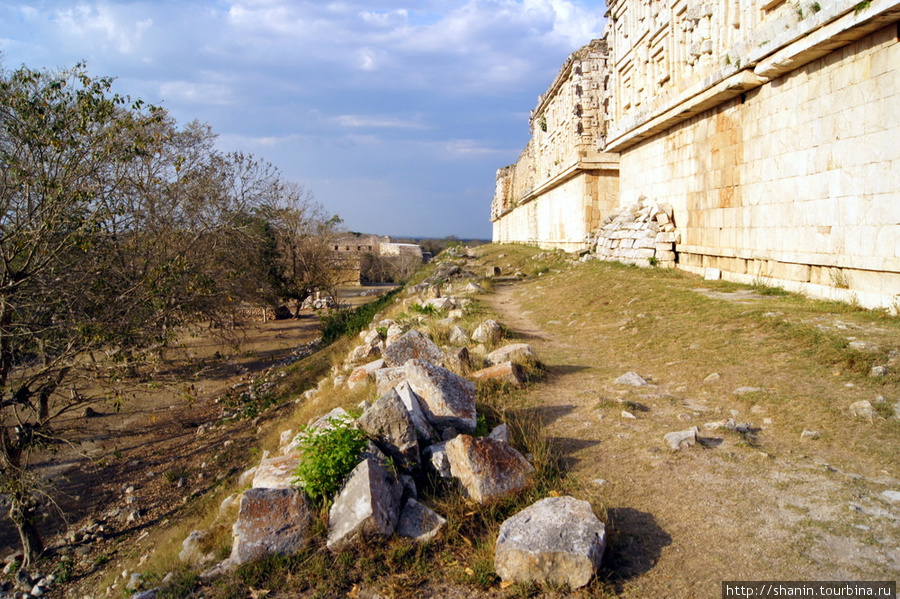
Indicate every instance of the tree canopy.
{"type": "Point", "coordinates": [117, 226]}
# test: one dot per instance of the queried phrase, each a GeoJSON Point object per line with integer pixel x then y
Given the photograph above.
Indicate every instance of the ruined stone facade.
{"type": "Point", "coordinates": [561, 166]}
{"type": "Point", "coordinates": [770, 129]}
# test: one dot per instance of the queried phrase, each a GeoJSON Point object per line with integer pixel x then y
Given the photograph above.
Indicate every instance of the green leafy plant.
{"type": "Point", "coordinates": [862, 6]}
{"type": "Point", "coordinates": [427, 309]}
{"type": "Point", "coordinates": [329, 454]}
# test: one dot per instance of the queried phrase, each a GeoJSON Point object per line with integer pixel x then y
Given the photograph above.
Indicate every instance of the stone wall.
{"type": "Point", "coordinates": [794, 180]}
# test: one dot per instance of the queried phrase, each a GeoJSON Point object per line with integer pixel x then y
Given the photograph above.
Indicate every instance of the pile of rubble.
{"type": "Point", "coordinates": [642, 234]}
{"type": "Point", "coordinates": [423, 422]}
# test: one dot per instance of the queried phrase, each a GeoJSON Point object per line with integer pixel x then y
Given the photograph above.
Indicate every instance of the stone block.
{"type": "Point", "coordinates": [487, 469]}
{"type": "Point", "coordinates": [448, 399]}
{"type": "Point", "coordinates": [412, 344]}
{"type": "Point", "coordinates": [556, 541]}
{"type": "Point", "coordinates": [520, 353]}
{"type": "Point", "coordinates": [418, 522]}
{"type": "Point", "coordinates": [505, 371]}
{"type": "Point", "coordinates": [416, 411]}
{"type": "Point", "coordinates": [277, 472]}
{"type": "Point", "coordinates": [387, 378]}
{"type": "Point", "coordinates": [367, 506]}
{"type": "Point", "coordinates": [388, 422]}
{"type": "Point", "coordinates": [489, 331]}
{"type": "Point", "coordinates": [270, 522]}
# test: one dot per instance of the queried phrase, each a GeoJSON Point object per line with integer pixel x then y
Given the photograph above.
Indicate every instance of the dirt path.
{"type": "Point", "coordinates": [727, 509]}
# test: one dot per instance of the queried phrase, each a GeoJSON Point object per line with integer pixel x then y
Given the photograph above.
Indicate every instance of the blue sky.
{"type": "Point", "coordinates": [395, 114]}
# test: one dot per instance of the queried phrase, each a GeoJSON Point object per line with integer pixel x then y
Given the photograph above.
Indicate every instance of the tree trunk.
{"type": "Point", "coordinates": [21, 512]}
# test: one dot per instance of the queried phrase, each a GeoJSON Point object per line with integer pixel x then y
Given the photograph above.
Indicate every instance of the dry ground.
{"type": "Point", "coordinates": [760, 506]}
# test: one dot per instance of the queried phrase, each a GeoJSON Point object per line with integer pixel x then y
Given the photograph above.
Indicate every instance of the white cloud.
{"type": "Point", "coordinates": [105, 22]}
{"type": "Point", "coordinates": [197, 93]}
{"type": "Point", "coordinates": [377, 122]}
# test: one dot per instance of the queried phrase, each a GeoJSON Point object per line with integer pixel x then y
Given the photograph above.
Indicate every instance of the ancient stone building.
{"type": "Point", "coordinates": [770, 129]}
{"type": "Point", "coordinates": [561, 166]}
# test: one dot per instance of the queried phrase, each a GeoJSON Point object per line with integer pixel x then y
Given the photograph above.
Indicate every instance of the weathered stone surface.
{"type": "Point", "coordinates": [270, 521]}
{"type": "Point", "coordinates": [507, 371]}
{"type": "Point", "coordinates": [390, 424]}
{"type": "Point", "coordinates": [362, 374]}
{"type": "Point", "coordinates": [520, 353]}
{"type": "Point", "coordinates": [863, 409]}
{"type": "Point", "coordinates": [500, 433]}
{"type": "Point", "coordinates": [368, 505]}
{"type": "Point", "coordinates": [458, 360]}
{"type": "Point", "coordinates": [277, 472]}
{"type": "Point", "coordinates": [473, 287]}
{"type": "Point", "coordinates": [488, 469]}
{"type": "Point", "coordinates": [441, 303]}
{"type": "Point", "coordinates": [631, 378]}
{"type": "Point", "coordinates": [416, 411]}
{"type": "Point", "coordinates": [681, 439]}
{"type": "Point", "coordinates": [448, 399]}
{"type": "Point", "coordinates": [419, 522]}
{"type": "Point", "coordinates": [458, 335]}
{"type": "Point", "coordinates": [489, 331]}
{"type": "Point", "coordinates": [363, 353]}
{"type": "Point", "coordinates": [196, 549]}
{"type": "Point", "coordinates": [436, 455]}
{"type": "Point", "coordinates": [412, 344]}
{"type": "Point", "coordinates": [388, 378]}
{"type": "Point", "coordinates": [394, 332]}
{"type": "Point", "coordinates": [557, 540]}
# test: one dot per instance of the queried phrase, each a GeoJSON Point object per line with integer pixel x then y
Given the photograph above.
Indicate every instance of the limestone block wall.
{"type": "Point", "coordinates": [563, 216]}
{"type": "Point", "coordinates": [796, 182]}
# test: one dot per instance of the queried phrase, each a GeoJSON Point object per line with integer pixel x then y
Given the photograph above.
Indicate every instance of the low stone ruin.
{"type": "Point", "coordinates": [642, 234]}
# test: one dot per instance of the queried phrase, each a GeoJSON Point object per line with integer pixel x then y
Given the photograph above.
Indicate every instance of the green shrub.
{"type": "Point", "coordinates": [351, 322]}
{"type": "Point", "coordinates": [329, 454]}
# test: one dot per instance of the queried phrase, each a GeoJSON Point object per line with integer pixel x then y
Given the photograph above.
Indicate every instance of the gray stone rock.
{"type": "Point", "coordinates": [363, 353]}
{"type": "Point", "coordinates": [448, 399]}
{"type": "Point", "coordinates": [419, 522]}
{"type": "Point", "coordinates": [195, 549]}
{"type": "Point", "coordinates": [681, 439]}
{"type": "Point", "coordinates": [436, 455]}
{"type": "Point", "coordinates": [389, 423]}
{"type": "Point", "coordinates": [410, 345]}
{"type": "Point", "coordinates": [878, 371]}
{"type": "Point", "coordinates": [367, 506]}
{"type": "Point", "coordinates": [520, 353]}
{"type": "Point", "coordinates": [270, 522]}
{"type": "Point", "coordinates": [277, 472]}
{"type": "Point", "coordinates": [388, 378]}
{"type": "Point", "coordinates": [458, 335]}
{"type": "Point", "coordinates": [746, 390]}
{"type": "Point", "coordinates": [557, 540]}
{"type": "Point", "coordinates": [149, 594]}
{"type": "Point", "coordinates": [897, 410]}
{"type": "Point", "coordinates": [507, 371]}
{"type": "Point", "coordinates": [631, 378]}
{"type": "Point", "coordinates": [891, 496]}
{"type": "Point", "coordinates": [500, 433]}
{"type": "Point", "coordinates": [487, 469]}
{"type": "Point", "coordinates": [863, 409]}
{"type": "Point", "coordinates": [458, 360]}
{"type": "Point", "coordinates": [489, 331]}
{"type": "Point", "coordinates": [416, 411]}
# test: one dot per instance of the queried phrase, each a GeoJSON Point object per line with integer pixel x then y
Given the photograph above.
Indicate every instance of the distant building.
{"type": "Point", "coordinates": [357, 252]}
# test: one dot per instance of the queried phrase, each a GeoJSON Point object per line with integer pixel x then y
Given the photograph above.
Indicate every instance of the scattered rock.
{"type": "Point", "coordinates": [458, 335]}
{"type": "Point", "coordinates": [557, 541]}
{"type": "Point", "coordinates": [418, 522]}
{"type": "Point", "coordinates": [520, 353]}
{"type": "Point", "coordinates": [628, 415]}
{"type": "Point", "coordinates": [416, 411]}
{"type": "Point", "coordinates": [863, 409]}
{"type": "Point", "coordinates": [389, 423]}
{"type": "Point", "coordinates": [387, 378]}
{"type": "Point", "coordinates": [363, 353]}
{"type": "Point", "coordinates": [715, 376]}
{"type": "Point", "coordinates": [631, 378]}
{"type": "Point", "coordinates": [488, 469]}
{"type": "Point", "coordinates": [410, 345]}
{"type": "Point", "coordinates": [277, 472]}
{"type": "Point", "coordinates": [891, 496]}
{"type": "Point", "coordinates": [368, 505]}
{"type": "Point", "coordinates": [500, 433]}
{"type": "Point", "coordinates": [507, 371]}
{"type": "Point", "coordinates": [192, 549]}
{"type": "Point", "coordinates": [682, 439]}
{"type": "Point", "coordinates": [458, 360]}
{"type": "Point", "coordinates": [270, 522]}
{"type": "Point", "coordinates": [746, 390]}
{"type": "Point", "coordinates": [489, 332]}
{"type": "Point", "coordinates": [878, 371]}
{"type": "Point", "coordinates": [437, 456]}
{"type": "Point", "coordinates": [448, 399]}
{"type": "Point", "coordinates": [808, 434]}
